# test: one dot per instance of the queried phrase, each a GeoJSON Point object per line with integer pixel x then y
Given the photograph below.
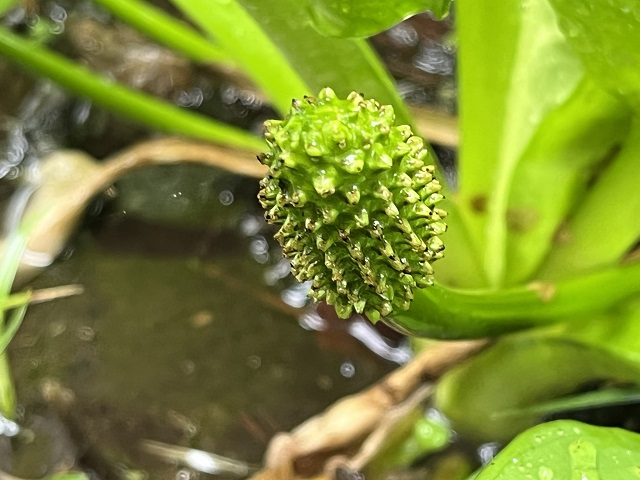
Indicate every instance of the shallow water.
{"type": "Point", "coordinates": [176, 346]}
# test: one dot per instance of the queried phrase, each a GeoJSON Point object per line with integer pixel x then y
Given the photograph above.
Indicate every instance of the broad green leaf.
{"type": "Point", "coordinates": [513, 74]}
{"type": "Point", "coordinates": [343, 64]}
{"type": "Point", "coordinates": [606, 34]}
{"type": "Point", "coordinates": [605, 226]}
{"type": "Point", "coordinates": [274, 43]}
{"type": "Point", "coordinates": [363, 18]}
{"type": "Point", "coordinates": [519, 372]}
{"type": "Point", "coordinates": [617, 332]}
{"type": "Point", "coordinates": [566, 449]}
{"type": "Point", "coordinates": [553, 174]}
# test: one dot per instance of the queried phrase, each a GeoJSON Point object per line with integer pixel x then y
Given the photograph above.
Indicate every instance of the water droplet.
{"type": "Point", "coordinates": [545, 473]}
{"type": "Point", "coordinates": [190, 98]}
{"type": "Point", "coordinates": [259, 249]}
{"type": "Point", "coordinates": [403, 35]}
{"type": "Point", "coordinates": [8, 428]}
{"type": "Point", "coordinates": [487, 451]}
{"type": "Point", "coordinates": [183, 475]}
{"type": "Point", "coordinates": [86, 333]}
{"type": "Point", "coordinates": [226, 197]}
{"type": "Point", "coordinates": [347, 370]}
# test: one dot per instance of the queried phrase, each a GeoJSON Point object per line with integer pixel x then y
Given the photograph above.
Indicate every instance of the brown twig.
{"type": "Point", "coordinates": [436, 127]}
{"type": "Point", "coordinates": [48, 294]}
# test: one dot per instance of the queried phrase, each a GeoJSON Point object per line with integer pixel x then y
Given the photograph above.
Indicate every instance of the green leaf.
{"type": "Point", "coordinates": [276, 46]}
{"type": "Point", "coordinates": [519, 372]}
{"type": "Point", "coordinates": [511, 385]}
{"type": "Point", "coordinates": [552, 178]}
{"type": "Point", "coordinates": [568, 450]}
{"type": "Point", "coordinates": [344, 65]}
{"type": "Point", "coordinates": [503, 100]}
{"type": "Point", "coordinates": [353, 18]}
{"type": "Point", "coordinates": [617, 332]}
{"type": "Point", "coordinates": [141, 107]}
{"type": "Point", "coordinates": [605, 226]}
{"type": "Point", "coordinates": [606, 35]}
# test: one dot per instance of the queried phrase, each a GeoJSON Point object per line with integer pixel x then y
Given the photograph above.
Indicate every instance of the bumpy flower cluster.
{"type": "Point", "coordinates": [356, 198]}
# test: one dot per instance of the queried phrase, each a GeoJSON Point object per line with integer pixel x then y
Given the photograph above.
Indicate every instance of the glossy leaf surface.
{"type": "Point", "coordinates": [275, 44]}
{"type": "Point", "coordinates": [520, 372]}
{"type": "Point", "coordinates": [606, 34]}
{"type": "Point", "coordinates": [566, 449]}
{"type": "Point", "coordinates": [353, 18]}
{"type": "Point", "coordinates": [552, 178]}
{"type": "Point", "coordinates": [342, 64]}
{"type": "Point", "coordinates": [513, 76]}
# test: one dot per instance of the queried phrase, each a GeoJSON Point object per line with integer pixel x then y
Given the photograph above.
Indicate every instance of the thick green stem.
{"type": "Point", "coordinates": [138, 106]}
{"type": "Point", "coordinates": [167, 30]}
{"type": "Point", "coordinates": [447, 313]}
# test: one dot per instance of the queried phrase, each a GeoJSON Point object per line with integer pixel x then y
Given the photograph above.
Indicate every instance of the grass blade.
{"type": "Point", "coordinates": [138, 106]}
{"type": "Point", "coordinates": [12, 326]}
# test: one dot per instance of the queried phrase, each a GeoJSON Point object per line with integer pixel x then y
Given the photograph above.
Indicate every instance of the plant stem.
{"type": "Point", "coordinates": [167, 30]}
{"type": "Point", "coordinates": [10, 254]}
{"type": "Point", "coordinates": [443, 312]}
{"type": "Point", "coordinates": [7, 389]}
{"type": "Point", "coordinates": [138, 106]}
